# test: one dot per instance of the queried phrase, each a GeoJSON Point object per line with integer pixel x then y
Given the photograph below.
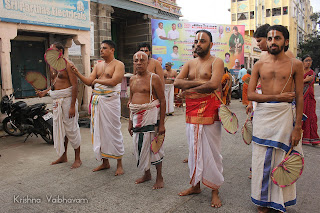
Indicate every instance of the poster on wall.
{"type": "Point", "coordinates": [172, 41]}
{"type": "Point", "coordinates": [73, 14]}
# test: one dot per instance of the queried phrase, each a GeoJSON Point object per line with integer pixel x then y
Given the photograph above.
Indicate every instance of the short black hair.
{"type": "Point", "coordinates": [261, 32]}
{"type": "Point", "coordinates": [160, 23]}
{"type": "Point", "coordinates": [235, 28]}
{"type": "Point", "coordinates": [284, 32]}
{"type": "Point", "coordinates": [111, 43]}
{"type": "Point", "coordinates": [144, 44]}
{"type": "Point", "coordinates": [59, 46]}
{"type": "Point", "coordinates": [192, 46]}
{"type": "Point", "coordinates": [175, 46]}
{"type": "Point", "coordinates": [226, 54]}
{"type": "Point", "coordinates": [242, 66]}
{"type": "Point", "coordinates": [226, 69]}
{"type": "Point", "coordinates": [206, 32]}
{"type": "Point", "coordinates": [173, 24]}
{"type": "Point", "coordinates": [249, 71]}
{"type": "Point", "coordinates": [305, 56]}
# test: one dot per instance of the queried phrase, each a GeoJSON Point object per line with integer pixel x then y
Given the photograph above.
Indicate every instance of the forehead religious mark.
{"type": "Point", "coordinates": [273, 33]}
{"type": "Point", "coordinates": [199, 36]}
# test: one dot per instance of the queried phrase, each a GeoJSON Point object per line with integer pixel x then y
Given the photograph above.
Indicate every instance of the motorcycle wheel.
{"type": "Point", "coordinates": [47, 130]}
{"type": "Point", "coordinates": [10, 129]}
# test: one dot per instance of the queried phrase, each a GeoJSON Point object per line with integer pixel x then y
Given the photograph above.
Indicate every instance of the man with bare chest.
{"type": "Point", "coordinates": [276, 122]}
{"type": "Point", "coordinates": [169, 76]}
{"type": "Point", "coordinates": [147, 112]}
{"type": "Point", "coordinates": [154, 66]}
{"type": "Point", "coordinates": [64, 92]}
{"type": "Point", "coordinates": [105, 80]}
{"type": "Point", "coordinates": [200, 77]}
{"type": "Point", "coordinates": [261, 38]}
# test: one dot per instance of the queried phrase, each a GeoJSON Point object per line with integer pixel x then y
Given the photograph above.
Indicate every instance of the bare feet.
{"type": "Point", "coordinates": [76, 164]}
{"type": "Point", "coordinates": [159, 183]}
{"type": "Point", "coordinates": [62, 159]}
{"type": "Point", "coordinates": [104, 165]}
{"type": "Point", "coordinates": [185, 160]}
{"type": "Point", "coordinates": [190, 191]}
{"type": "Point", "coordinates": [215, 202]}
{"type": "Point", "coordinates": [119, 168]}
{"type": "Point", "coordinates": [263, 209]}
{"type": "Point", "coordinates": [144, 178]}
{"type": "Point", "coordinates": [119, 171]}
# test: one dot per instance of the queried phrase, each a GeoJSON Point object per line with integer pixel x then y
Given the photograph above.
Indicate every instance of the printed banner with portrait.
{"type": "Point", "coordinates": [172, 41]}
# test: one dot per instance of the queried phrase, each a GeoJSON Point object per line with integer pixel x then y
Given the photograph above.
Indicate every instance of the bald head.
{"type": "Point", "coordinates": [140, 62]}
{"type": "Point", "coordinates": [139, 54]}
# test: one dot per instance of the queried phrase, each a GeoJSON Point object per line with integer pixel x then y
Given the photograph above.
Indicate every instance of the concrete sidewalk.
{"type": "Point", "coordinates": [26, 173]}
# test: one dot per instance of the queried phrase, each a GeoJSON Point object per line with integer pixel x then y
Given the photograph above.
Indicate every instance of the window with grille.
{"type": "Point", "coordinates": [268, 13]}
{"type": "Point", "coordinates": [252, 15]}
{"type": "Point", "coordinates": [276, 11]}
{"type": "Point", "coordinates": [234, 17]}
{"type": "Point", "coordinates": [242, 16]}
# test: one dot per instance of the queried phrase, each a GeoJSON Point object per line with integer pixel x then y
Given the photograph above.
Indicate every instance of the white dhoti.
{"type": "Point", "coordinates": [169, 94]}
{"type": "Point", "coordinates": [205, 160]}
{"type": "Point", "coordinates": [105, 122]}
{"type": "Point", "coordinates": [145, 121]}
{"type": "Point", "coordinates": [63, 126]}
{"type": "Point", "coordinates": [272, 128]}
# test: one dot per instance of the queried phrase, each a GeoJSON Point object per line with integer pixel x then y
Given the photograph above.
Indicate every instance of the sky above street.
{"type": "Point", "coordinates": [215, 11]}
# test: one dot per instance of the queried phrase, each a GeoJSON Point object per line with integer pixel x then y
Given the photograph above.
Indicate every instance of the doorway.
{"type": "Point", "coordinates": [26, 59]}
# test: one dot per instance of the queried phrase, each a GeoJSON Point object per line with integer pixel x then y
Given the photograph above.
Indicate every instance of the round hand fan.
{"type": "Point", "coordinates": [156, 143]}
{"type": "Point", "coordinates": [228, 119]}
{"type": "Point", "coordinates": [289, 170]}
{"type": "Point", "coordinates": [37, 80]}
{"type": "Point", "coordinates": [55, 59]}
{"type": "Point", "coordinates": [247, 130]}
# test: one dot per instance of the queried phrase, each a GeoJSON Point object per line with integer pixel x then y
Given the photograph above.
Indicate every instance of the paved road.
{"type": "Point", "coordinates": [25, 172]}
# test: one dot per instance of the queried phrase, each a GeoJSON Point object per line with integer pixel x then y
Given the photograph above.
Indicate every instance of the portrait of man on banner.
{"type": "Point", "coordinates": [172, 41]}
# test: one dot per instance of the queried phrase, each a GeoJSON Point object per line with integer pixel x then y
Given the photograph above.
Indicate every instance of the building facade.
{"type": "Point", "coordinates": [294, 14]}
{"type": "Point", "coordinates": [27, 28]}
{"type": "Point", "coordinates": [128, 23]}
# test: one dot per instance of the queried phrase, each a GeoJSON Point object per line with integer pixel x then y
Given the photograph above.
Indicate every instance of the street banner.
{"type": "Point", "coordinates": [73, 14]}
{"type": "Point", "coordinates": [172, 41]}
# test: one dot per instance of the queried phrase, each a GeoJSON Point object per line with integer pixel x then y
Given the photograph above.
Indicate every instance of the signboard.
{"type": "Point", "coordinates": [172, 42]}
{"type": "Point", "coordinates": [76, 49]}
{"type": "Point", "coordinates": [73, 14]}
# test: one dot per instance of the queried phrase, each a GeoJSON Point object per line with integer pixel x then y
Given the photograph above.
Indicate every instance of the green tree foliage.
{"type": "Point", "coordinates": [315, 17]}
{"type": "Point", "coordinates": [311, 44]}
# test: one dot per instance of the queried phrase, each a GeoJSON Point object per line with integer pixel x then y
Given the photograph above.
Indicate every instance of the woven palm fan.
{"type": "Point", "coordinates": [156, 143]}
{"type": "Point", "coordinates": [289, 170]}
{"type": "Point", "coordinates": [55, 59]}
{"type": "Point", "coordinates": [228, 119]}
{"type": "Point", "coordinates": [247, 130]}
{"type": "Point", "coordinates": [37, 80]}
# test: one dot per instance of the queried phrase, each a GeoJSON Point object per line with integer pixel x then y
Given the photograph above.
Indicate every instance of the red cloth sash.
{"type": "Point", "coordinates": [202, 108]}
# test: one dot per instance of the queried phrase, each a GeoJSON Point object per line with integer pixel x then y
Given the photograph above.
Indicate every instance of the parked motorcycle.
{"type": "Point", "coordinates": [235, 88]}
{"type": "Point", "coordinates": [23, 119]}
